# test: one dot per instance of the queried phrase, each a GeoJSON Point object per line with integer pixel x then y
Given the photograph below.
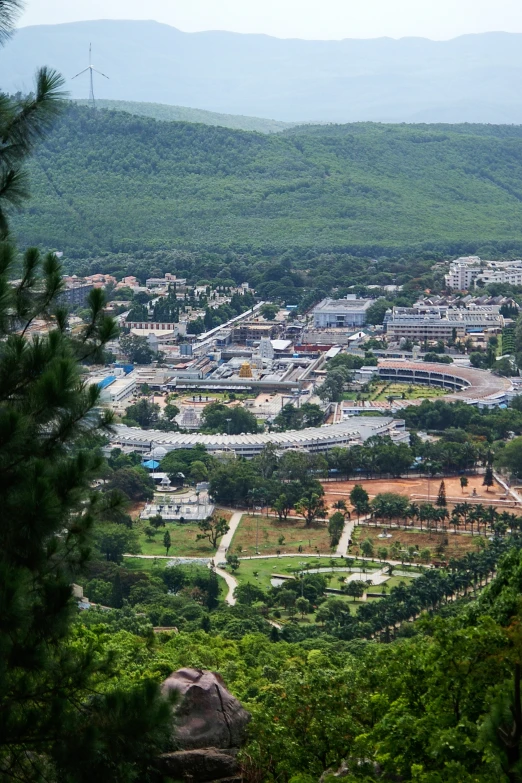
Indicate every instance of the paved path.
{"type": "Point", "coordinates": [221, 555]}
{"type": "Point", "coordinates": [225, 542]}
{"type": "Point", "coordinates": [232, 584]}
{"type": "Point", "coordinates": [346, 535]}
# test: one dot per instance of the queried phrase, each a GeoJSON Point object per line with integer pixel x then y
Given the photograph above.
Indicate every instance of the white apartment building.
{"type": "Point", "coordinates": [502, 272]}
{"type": "Point", "coordinates": [463, 272]}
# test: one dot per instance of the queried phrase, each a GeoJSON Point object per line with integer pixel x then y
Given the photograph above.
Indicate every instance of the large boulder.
{"type": "Point", "coordinates": [202, 765]}
{"type": "Point", "coordinates": [207, 716]}
{"type": "Point", "coordinates": [210, 729]}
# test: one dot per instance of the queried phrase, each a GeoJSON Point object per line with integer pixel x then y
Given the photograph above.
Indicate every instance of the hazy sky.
{"type": "Point", "coordinates": [437, 19]}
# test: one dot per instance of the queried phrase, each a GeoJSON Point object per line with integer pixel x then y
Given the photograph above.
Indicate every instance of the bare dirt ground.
{"type": "Point", "coordinates": [421, 490]}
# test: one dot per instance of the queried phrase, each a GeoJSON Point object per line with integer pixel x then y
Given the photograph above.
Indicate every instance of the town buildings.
{"type": "Point", "coordinates": [471, 272]}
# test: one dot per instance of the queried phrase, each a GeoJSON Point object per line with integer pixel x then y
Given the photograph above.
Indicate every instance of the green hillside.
{"type": "Point", "coordinates": [162, 111]}
{"type": "Point", "coordinates": [108, 181]}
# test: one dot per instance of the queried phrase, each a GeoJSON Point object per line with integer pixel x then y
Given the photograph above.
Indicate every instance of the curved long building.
{"type": "Point", "coordinates": [465, 383]}
{"type": "Point", "coordinates": [350, 432]}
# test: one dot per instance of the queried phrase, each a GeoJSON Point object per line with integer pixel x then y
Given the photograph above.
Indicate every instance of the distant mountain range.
{"type": "Point", "coordinates": [474, 78]}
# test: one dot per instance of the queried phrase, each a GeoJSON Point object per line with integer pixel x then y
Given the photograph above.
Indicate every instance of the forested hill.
{"type": "Point", "coordinates": [108, 181]}
{"type": "Point", "coordinates": [165, 112]}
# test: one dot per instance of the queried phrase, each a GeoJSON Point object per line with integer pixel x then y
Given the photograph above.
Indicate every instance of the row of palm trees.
{"type": "Point", "coordinates": [475, 517]}
{"type": "Point", "coordinates": [427, 593]}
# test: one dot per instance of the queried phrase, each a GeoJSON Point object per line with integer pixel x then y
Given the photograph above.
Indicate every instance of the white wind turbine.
{"type": "Point", "coordinates": [91, 70]}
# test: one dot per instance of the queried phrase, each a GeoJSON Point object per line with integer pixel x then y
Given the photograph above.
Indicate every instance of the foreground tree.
{"type": "Point", "coordinates": [212, 528]}
{"type": "Point", "coordinates": [58, 719]}
{"type": "Point", "coordinates": [48, 424]}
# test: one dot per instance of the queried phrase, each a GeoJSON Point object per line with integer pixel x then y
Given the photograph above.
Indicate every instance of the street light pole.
{"type": "Point", "coordinates": [228, 425]}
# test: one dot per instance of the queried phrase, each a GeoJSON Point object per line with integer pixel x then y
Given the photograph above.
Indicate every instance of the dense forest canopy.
{"type": "Point", "coordinates": [110, 182]}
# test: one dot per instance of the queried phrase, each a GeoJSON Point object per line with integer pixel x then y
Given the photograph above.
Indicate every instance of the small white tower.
{"type": "Point", "coordinates": [266, 349]}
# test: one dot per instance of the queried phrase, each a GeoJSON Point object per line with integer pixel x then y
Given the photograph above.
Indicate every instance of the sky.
{"type": "Point", "coordinates": [312, 19]}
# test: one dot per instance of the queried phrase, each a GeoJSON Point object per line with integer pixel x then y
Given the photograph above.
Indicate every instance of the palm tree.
{"type": "Point", "coordinates": [413, 512]}
{"type": "Point", "coordinates": [477, 515]}
{"type": "Point", "coordinates": [489, 517]}
{"type": "Point", "coordinates": [463, 510]}
{"type": "Point", "coordinates": [340, 505]}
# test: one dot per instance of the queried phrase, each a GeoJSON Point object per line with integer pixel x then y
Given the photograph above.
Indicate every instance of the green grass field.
{"type": "Point", "coordinates": [183, 541]}
{"type": "Point", "coordinates": [259, 571]}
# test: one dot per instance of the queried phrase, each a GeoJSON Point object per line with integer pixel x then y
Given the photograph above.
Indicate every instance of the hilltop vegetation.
{"type": "Point", "coordinates": [167, 113]}
{"type": "Point", "coordinates": [110, 182]}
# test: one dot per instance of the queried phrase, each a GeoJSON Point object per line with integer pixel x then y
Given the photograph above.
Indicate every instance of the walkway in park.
{"type": "Point", "coordinates": [345, 539]}
{"type": "Point", "coordinates": [221, 555]}
{"type": "Point", "coordinates": [225, 542]}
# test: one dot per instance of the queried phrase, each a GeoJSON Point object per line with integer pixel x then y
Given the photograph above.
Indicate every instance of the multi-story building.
{"type": "Point", "coordinates": [429, 324]}
{"type": "Point", "coordinates": [469, 272]}
{"type": "Point", "coordinates": [463, 273]}
{"type": "Point", "coordinates": [76, 291]}
{"type": "Point", "coordinates": [502, 272]}
{"type": "Point", "coordinates": [341, 313]}
{"type": "Point", "coordinates": [246, 331]}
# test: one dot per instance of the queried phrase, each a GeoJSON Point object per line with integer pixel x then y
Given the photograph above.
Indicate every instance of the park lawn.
{"type": "Point", "coordinates": [312, 539]}
{"type": "Point", "coordinates": [259, 571]}
{"type": "Point", "coordinates": [182, 537]}
{"type": "Point", "coordinates": [140, 564]}
{"type": "Point", "coordinates": [458, 545]}
{"type": "Point", "coordinates": [393, 581]}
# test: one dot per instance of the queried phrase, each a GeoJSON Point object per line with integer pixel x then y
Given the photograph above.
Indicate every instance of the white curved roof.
{"type": "Point", "coordinates": [351, 430]}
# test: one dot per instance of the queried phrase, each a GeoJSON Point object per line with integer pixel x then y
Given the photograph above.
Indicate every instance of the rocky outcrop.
{"type": "Point", "coordinates": [203, 765]}
{"type": "Point", "coordinates": [210, 728]}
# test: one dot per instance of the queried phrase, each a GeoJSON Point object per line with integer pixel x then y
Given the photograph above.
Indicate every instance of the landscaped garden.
{"type": "Point", "coordinates": [379, 391]}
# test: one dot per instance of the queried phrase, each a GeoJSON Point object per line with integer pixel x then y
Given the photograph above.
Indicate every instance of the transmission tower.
{"type": "Point", "coordinates": [91, 70]}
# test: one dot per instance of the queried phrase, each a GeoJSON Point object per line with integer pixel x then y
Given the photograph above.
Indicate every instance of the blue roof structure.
{"type": "Point", "coordinates": [106, 381]}
{"type": "Point", "coordinates": [150, 464]}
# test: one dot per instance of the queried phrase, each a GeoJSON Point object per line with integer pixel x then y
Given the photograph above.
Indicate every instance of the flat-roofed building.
{"type": "Point", "coordinates": [344, 313]}
{"type": "Point", "coordinates": [246, 331]}
{"type": "Point", "coordinates": [429, 324]}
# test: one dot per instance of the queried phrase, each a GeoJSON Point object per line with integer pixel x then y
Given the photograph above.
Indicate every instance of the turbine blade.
{"type": "Point", "coordinates": [84, 71]}
{"type": "Point", "coordinates": [97, 71]}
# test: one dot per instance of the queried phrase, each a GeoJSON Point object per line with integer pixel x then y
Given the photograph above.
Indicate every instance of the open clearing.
{"type": "Point", "coordinates": [312, 539]}
{"type": "Point", "coordinates": [419, 489]}
{"type": "Point", "coordinates": [182, 537]}
{"type": "Point", "coordinates": [260, 571]}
